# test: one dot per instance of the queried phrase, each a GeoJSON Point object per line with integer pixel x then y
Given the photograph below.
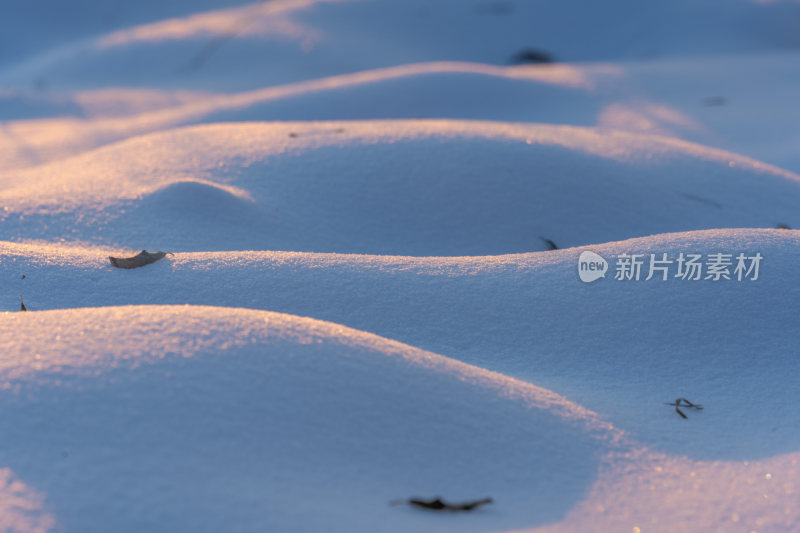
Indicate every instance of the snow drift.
{"type": "Point", "coordinates": [216, 418]}
{"type": "Point", "coordinates": [395, 187]}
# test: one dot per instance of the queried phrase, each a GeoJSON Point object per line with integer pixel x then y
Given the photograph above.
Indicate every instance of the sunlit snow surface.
{"type": "Point", "coordinates": [361, 305]}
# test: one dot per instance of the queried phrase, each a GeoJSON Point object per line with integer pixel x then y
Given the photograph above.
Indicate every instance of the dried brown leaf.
{"type": "Point", "coordinates": [141, 259]}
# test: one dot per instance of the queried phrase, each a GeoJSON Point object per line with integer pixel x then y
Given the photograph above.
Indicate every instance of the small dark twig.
{"type": "Point", "coordinates": [550, 244]}
{"type": "Point", "coordinates": [686, 403]}
{"type": "Point", "coordinates": [437, 504]}
{"type": "Point", "coordinates": [22, 304]}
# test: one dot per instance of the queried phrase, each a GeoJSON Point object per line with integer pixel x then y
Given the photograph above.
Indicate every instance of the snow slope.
{"type": "Point", "coordinates": [88, 119]}
{"type": "Point", "coordinates": [360, 306]}
{"type": "Point", "coordinates": [516, 314]}
{"type": "Point", "coordinates": [723, 73]}
{"type": "Point", "coordinates": [743, 103]}
{"type": "Point", "coordinates": [426, 188]}
{"type": "Point", "coordinates": [172, 417]}
{"type": "Point", "coordinates": [714, 104]}
{"type": "Point", "coordinates": [232, 47]}
{"type": "Point", "coordinates": [202, 426]}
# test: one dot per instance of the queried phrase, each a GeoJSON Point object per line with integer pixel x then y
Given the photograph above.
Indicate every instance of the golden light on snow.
{"type": "Point", "coordinates": [146, 164]}
{"type": "Point", "coordinates": [635, 487]}
{"type": "Point", "coordinates": [369, 217]}
{"type": "Point", "coordinates": [263, 20]}
{"type": "Point", "coordinates": [22, 509]}
{"type": "Point", "coordinates": [650, 491]}
{"type": "Point", "coordinates": [31, 142]}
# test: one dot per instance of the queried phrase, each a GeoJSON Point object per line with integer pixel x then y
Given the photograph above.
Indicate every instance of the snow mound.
{"type": "Point", "coordinates": [87, 119]}
{"type": "Point", "coordinates": [225, 48]}
{"type": "Point", "coordinates": [723, 93]}
{"type": "Point", "coordinates": [646, 491]}
{"type": "Point", "coordinates": [166, 418]}
{"type": "Point", "coordinates": [393, 187]}
{"type": "Point", "coordinates": [193, 395]}
{"type": "Point", "coordinates": [641, 343]}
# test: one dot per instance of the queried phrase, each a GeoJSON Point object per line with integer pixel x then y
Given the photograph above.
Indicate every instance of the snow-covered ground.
{"type": "Point", "coordinates": [361, 304]}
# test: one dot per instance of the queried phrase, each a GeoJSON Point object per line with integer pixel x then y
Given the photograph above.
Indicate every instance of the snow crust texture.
{"type": "Point", "coordinates": [362, 301]}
